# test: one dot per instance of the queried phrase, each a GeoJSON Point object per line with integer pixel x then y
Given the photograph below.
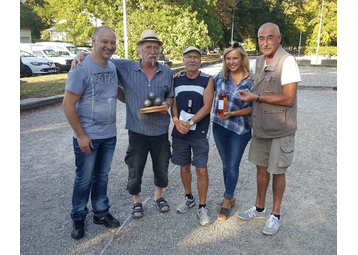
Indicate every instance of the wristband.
{"type": "Point", "coordinates": [258, 98]}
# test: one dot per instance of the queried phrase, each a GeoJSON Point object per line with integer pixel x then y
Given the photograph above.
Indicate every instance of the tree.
{"type": "Point", "coordinates": [329, 22]}
{"type": "Point", "coordinates": [175, 24]}
{"type": "Point", "coordinates": [32, 15]}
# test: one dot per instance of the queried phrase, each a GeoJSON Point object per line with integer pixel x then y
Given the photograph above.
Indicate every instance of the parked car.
{"type": "Point", "coordinates": [35, 65]}
{"type": "Point", "coordinates": [22, 67]}
{"type": "Point", "coordinates": [85, 49]}
{"type": "Point", "coordinates": [62, 62]}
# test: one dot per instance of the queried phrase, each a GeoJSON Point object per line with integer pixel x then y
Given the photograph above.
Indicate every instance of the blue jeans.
{"type": "Point", "coordinates": [231, 147]}
{"type": "Point", "coordinates": [92, 177]}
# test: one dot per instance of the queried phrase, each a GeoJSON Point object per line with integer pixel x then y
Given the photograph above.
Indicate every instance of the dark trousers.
{"type": "Point", "coordinates": [136, 158]}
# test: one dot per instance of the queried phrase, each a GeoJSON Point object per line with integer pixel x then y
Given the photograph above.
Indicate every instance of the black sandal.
{"type": "Point", "coordinates": [137, 208]}
{"type": "Point", "coordinates": [161, 203]}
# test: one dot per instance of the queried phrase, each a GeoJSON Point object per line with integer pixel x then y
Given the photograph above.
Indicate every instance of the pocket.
{"type": "Point", "coordinates": [169, 153]}
{"type": "Point", "coordinates": [270, 85]}
{"type": "Point", "coordinates": [129, 159]}
{"type": "Point", "coordinates": [287, 146]}
{"type": "Point", "coordinates": [274, 118]}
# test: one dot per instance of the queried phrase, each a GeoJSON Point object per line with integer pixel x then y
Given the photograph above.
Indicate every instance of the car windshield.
{"type": "Point", "coordinates": [73, 50]}
{"type": "Point", "coordinates": [51, 53]}
{"type": "Point", "coordinates": [26, 54]}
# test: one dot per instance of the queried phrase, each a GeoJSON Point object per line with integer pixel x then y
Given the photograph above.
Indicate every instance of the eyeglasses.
{"type": "Point", "coordinates": [235, 45]}
{"type": "Point", "coordinates": [191, 57]}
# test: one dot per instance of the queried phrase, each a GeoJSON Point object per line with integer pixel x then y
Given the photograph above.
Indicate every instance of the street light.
{"type": "Point", "coordinates": [232, 28]}
{"type": "Point", "coordinates": [125, 29]}
{"type": "Point", "coordinates": [319, 34]}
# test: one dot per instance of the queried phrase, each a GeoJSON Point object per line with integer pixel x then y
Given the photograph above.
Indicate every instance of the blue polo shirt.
{"type": "Point", "coordinates": [136, 88]}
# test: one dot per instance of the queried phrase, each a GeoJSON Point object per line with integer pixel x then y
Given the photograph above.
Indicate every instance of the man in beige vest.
{"type": "Point", "coordinates": [274, 122]}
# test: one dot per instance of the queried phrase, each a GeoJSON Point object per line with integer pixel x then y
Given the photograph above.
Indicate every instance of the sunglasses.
{"type": "Point", "coordinates": [235, 45]}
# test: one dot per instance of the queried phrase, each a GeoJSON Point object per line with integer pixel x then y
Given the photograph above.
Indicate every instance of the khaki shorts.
{"type": "Point", "coordinates": [274, 153]}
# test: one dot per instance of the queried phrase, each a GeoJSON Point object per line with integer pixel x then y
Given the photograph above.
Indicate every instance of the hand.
{"type": "Point", "coordinates": [182, 126]}
{"type": "Point", "coordinates": [225, 116]}
{"type": "Point", "coordinates": [78, 58]}
{"type": "Point", "coordinates": [166, 110]}
{"type": "Point", "coordinates": [247, 96]}
{"type": "Point", "coordinates": [85, 144]}
{"type": "Point", "coordinates": [179, 73]}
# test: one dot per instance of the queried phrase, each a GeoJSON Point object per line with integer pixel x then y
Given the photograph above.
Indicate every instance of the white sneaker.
{"type": "Point", "coordinates": [184, 207]}
{"type": "Point", "coordinates": [252, 213]}
{"type": "Point", "coordinates": [203, 215]}
{"type": "Point", "coordinates": [272, 225]}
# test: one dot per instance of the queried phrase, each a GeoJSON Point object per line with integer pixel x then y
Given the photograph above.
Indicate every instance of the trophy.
{"type": "Point", "coordinates": [153, 104]}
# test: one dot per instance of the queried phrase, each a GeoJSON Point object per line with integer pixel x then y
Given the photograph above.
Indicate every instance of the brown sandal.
{"type": "Point", "coordinates": [220, 204]}
{"type": "Point", "coordinates": [224, 213]}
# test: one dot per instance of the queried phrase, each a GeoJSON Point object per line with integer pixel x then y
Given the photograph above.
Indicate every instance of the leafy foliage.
{"type": "Point", "coordinates": [180, 23]}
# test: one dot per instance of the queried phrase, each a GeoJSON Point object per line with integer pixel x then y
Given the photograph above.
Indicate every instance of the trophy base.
{"type": "Point", "coordinates": [153, 109]}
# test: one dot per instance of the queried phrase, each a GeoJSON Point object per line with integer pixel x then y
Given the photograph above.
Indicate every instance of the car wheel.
{"type": "Point", "coordinates": [27, 71]}
{"type": "Point", "coordinates": [60, 68]}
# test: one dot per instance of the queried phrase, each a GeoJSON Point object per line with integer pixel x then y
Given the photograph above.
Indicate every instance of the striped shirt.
{"type": "Point", "coordinates": [136, 89]}
{"type": "Point", "coordinates": [237, 124]}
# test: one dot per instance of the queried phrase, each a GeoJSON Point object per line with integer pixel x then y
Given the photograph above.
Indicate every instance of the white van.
{"type": "Point", "coordinates": [61, 48]}
{"type": "Point", "coordinates": [27, 47]}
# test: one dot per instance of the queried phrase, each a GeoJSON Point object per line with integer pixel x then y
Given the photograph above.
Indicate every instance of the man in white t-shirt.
{"type": "Point", "coordinates": [274, 122]}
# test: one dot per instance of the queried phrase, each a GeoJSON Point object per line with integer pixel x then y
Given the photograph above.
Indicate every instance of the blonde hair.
{"type": "Point", "coordinates": [245, 61]}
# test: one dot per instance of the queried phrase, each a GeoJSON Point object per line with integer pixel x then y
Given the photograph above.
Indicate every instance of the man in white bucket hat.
{"type": "Point", "coordinates": [147, 132]}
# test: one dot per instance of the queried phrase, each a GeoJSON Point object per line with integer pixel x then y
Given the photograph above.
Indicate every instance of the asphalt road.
{"type": "Point", "coordinates": [309, 209]}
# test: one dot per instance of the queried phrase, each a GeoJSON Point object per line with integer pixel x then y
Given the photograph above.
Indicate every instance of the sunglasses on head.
{"type": "Point", "coordinates": [235, 45]}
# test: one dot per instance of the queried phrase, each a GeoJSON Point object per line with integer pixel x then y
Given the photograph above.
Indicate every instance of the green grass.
{"type": "Point", "coordinates": [54, 84]}
{"type": "Point", "coordinates": [43, 86]}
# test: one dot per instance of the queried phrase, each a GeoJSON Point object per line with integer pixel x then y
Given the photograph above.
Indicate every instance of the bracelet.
{"type": "Point", "coordinates": [167, 104]}
{"type": "Point", "coordinates": [258, 98]}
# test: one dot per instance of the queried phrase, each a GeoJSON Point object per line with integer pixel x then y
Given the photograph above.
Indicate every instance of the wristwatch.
{"type": "Point", "coordinates": [191, 122]}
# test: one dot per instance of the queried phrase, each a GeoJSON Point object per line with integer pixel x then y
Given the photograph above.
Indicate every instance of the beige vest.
{"type": "Point", "coordinates": [268, 120]}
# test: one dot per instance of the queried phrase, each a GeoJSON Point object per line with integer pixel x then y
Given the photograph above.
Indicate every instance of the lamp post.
{"type": "Point", "coordinates": [232, 31]}
{"type": "Point", "coordinates": [319, 34]}
{"type": "Point", "coordinates": [299, 44]}
{"type": "Point", "coordinates": [232, 28]}
{"type": "Point", "coordinates": [125, 29]}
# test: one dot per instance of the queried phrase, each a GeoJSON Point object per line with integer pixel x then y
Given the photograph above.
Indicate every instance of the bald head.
{"type": "Point", "coordinates": [99, 29]}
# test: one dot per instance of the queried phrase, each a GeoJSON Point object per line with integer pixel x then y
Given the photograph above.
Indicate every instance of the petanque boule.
{"type": "Point", "coordinates": [151, 96]}
{"type": "Point", "coordinates": [147, 103]}
{"type": "Point", "coordinates": [157, 101]}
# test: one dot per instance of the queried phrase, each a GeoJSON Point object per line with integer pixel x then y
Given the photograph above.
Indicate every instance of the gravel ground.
{"type": "Point", "coordinates": [309, 209]}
